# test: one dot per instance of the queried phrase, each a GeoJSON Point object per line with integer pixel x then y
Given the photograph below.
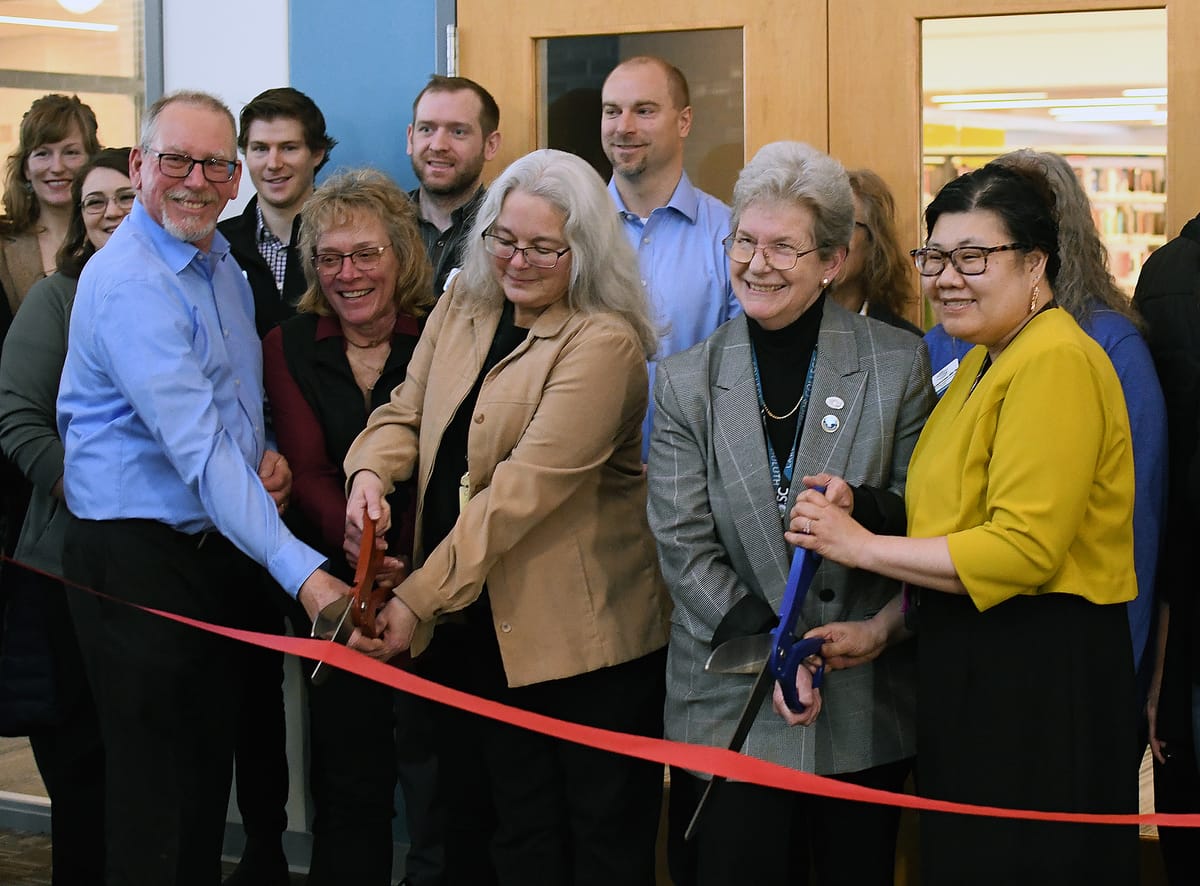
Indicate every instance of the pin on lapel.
{"type": "Point", "coordinates": [835, 402]}
{"type": "Point", "coordinates": [830, 423]}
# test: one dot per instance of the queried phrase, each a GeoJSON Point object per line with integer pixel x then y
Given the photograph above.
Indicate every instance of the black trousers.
{"type": "Point", "coordinates": [525, 808]}
{"type": "Point", "coordinates": [352, 776]}
{"type": "Point", "coordinates": [69, 753]}
{"type": "Point", "coordinates": [260, 752]}
{"type": "Point", "coordinates": [753, 834]}
{"type": "Point", "coordinates": [166, 694]}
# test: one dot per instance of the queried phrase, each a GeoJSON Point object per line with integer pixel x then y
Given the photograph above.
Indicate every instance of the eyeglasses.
{"type": "Point", "coordinates": [536, 256]}
{"type": "Point", "coordinates": [365, 259]}
{"type": "Point", "coordinates": [216, 169]}
{"type": "Point", "coordinates": [970, 261]}
{"type": "Point", "coordinates": [96, 204]}
{"type": "Point", "coordinates": [779, 256]}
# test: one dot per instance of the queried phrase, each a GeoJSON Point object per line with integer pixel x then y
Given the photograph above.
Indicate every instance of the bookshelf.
{"type": "Point", "coordinates": [1126, 186]}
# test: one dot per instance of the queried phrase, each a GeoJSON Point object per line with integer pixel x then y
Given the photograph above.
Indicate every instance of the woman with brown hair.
{"type": "Point", "coordinates": [58, 135]}
{"type": "Point", "coordinates": [877, 278]}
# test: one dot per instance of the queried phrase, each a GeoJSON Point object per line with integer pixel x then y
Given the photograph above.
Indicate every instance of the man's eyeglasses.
{"type": "Point", "coordinates": [96, 204]}
{"type": "Point", "coordinates": [779, 256]}
{"type": "Point", "coordinates": [970, 261]}
{"type": "Point", "coordinates": [535, 256]}
{"type": "Point", "coordinates": [365, 259]}
{"type": "Point", "coordinates": [216, 169]}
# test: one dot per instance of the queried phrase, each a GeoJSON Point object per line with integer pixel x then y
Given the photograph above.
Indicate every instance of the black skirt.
{"type": "Point", "coordinates": [1028, 705]}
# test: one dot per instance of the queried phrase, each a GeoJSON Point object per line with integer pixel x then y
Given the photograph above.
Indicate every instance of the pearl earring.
{"type": "Point", "coordinates": [824, 282]}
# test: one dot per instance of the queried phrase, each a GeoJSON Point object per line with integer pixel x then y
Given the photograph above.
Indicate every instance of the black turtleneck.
{"type": "Point", "coordinates": [783, 356]}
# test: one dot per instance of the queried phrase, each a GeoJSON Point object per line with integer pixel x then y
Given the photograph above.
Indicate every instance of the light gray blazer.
{"type": "Point", "coordinates": [712, 509]}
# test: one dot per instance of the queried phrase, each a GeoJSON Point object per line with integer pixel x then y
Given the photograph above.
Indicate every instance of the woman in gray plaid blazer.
{"type": "Point", "coordinates": [796, 390]}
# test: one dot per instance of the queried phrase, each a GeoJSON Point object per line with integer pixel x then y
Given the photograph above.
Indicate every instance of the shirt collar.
{"type": "Point", "coordinates": [261, 231]}
{"type": "Point", "coordinates": [175, 252]}
{"type": "Point", "coordinates": [685, 199]}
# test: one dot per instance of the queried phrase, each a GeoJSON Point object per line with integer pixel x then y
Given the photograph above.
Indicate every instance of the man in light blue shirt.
{"type": "Point", "coordinates": [675, 227]}
{"type": "Point", "coordinates": [161, 416]}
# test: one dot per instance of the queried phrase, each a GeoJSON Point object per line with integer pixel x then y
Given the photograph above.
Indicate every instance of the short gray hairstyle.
{"type": "Point", "coordinates": [192, 97]}
{"type": "Point", "coordinates": [797, 173]}
{"type": "Point", "coordinates": [604, 268]}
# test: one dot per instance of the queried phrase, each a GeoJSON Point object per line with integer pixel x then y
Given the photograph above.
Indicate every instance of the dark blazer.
{"type": "Point", "coordinates": [720, 538]}
{"type": "Point", "coordinates": [269, 309]}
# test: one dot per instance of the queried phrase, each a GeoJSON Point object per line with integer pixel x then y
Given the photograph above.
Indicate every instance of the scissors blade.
{"type": "Point", "coordinates": [741, 655]}
{"type": "Point", "coordinates": [758, 694]}
{"type": "Point", "coordinates": [331, 624]}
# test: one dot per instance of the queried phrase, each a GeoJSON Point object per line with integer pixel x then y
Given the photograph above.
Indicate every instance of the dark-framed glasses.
{"type": "Point", "coordinates": [216, 169]}
{"type": "Point", "coordinates": [535, 256]}
{"type": "Point", "coordinates": [779, 256]}
{"type": "Point", "coordinates": [96, 204]}
{"type": "Point", "coordinates": [970, 261]}
{"type": "Point", "coordinates": [365, 259]}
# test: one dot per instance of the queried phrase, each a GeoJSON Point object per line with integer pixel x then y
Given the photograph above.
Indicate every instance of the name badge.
{"type": "Point", "coordinates": [464, 491]}
{"type": "Point", "coordinates": [945, 375]}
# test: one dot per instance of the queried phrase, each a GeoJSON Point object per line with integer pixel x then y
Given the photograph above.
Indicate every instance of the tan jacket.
{"type": "Point", "coordinates": [20, 266]}
{"type": "Point", "coordinates": [556, 522]}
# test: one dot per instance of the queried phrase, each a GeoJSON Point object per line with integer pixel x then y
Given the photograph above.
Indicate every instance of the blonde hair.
{"type": "Point", "coordinates": [353, 193]}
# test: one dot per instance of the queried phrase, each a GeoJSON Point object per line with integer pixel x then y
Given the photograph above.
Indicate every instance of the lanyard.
{"type": "Point", "coordinates": [781, 478]}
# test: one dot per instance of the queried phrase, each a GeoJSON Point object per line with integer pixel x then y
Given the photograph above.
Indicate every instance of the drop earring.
{"type": "Point", "coordinates": [1037, 290]}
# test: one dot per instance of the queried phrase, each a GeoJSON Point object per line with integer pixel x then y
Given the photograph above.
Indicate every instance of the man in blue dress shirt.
{"type": "Point", "coordinates": [161, 415]}
{"type": "Point", "coordinates": [675, 227]}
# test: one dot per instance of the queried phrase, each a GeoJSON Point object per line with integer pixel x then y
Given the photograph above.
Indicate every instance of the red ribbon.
{"type": "Point", "coordinates": [716, 761]}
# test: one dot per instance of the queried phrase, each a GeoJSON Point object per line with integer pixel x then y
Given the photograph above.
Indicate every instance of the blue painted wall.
{"type": "Point", "coordinates": [363, 62]}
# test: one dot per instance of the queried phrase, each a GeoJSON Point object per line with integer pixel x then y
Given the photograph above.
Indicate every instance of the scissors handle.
{"type": "Point", "coordinates": [368, 599]}
{"type": "Point", "coordinates": [786, 663]}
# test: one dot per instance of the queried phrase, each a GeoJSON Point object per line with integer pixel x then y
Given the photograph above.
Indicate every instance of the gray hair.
{"type": "Point", "coordinates": [794, 172]}
{"type": "Point", "coordinates": [604, 268]}
{"type": "Point", "coordinates": [1083, 277]}
{"type": "Point", "coordinates": [192, 97]}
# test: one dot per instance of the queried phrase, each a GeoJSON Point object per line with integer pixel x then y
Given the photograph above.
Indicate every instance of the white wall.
{"type": "Point", "coordinates": [204, 52]}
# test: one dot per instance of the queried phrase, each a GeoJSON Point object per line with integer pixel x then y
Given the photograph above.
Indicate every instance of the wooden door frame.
{"type": "Point", "coordinates": [876, 97]}
{"type": "Point", "coordinates": [784, 55]}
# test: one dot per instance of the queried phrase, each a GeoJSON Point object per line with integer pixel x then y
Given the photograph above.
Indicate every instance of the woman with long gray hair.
{"type": "Point", "coordinates": [520, 418]}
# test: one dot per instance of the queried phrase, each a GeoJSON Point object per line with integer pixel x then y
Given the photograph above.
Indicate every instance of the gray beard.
{"type": "Point", "coordinates": [188, 234]}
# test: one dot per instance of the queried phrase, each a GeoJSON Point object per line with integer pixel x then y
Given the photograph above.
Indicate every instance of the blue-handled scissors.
{"type": "Point", "coordinates": [788, 652]}
{"type": "Point", "coordinates": [780, 660]}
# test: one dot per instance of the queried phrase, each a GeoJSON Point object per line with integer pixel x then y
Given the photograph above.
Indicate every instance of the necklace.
{"type": "Point", "coordinates": [373, 343]}
{"type": "Point", "coordinates": [769, 414]}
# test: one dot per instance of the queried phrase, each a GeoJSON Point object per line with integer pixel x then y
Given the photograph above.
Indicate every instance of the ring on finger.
{"type": "Point", "coordinates": [808, 527]}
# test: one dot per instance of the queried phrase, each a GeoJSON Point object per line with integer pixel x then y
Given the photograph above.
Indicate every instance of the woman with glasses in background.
{"type": "Point", "coordinates": [67, 746]}
{"type": "Point", "coordinates": [520, 420]}
{"type": "Point", "coordinates": [325, 370]}
{"type": "Point", "coordinates": [877, 277]}
{"type": "Point", "coordinates": [1019, 557]}
{"type": "Point", "coordinates": [794, 392]}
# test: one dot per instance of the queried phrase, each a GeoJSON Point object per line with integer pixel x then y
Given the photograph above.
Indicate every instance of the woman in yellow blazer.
{"type": "Point", "coordinates": [1020, 503]}
{"type": "Point", "coordinates": [521, 419]}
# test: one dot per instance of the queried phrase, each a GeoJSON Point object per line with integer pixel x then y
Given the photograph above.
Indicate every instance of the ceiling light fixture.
{"type": "Point", "coordinates": [1128, 113]}
{"type": "Point", "coordinates": [986, 97]}
{"type": "Point", "coordinates": [56, 23]}
{"type": "Point", "coordinates": [1155, 92]}
{"type": "Point", "coordinates": [79, 7]}
{"type": "Point", "coordinates": [1044, 103]}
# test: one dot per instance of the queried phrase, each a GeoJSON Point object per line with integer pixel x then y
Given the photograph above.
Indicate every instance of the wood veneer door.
{"type": "Point", "coordinates": [875, 89]}
{"type": "Point", "coordinates": [784, 55]}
